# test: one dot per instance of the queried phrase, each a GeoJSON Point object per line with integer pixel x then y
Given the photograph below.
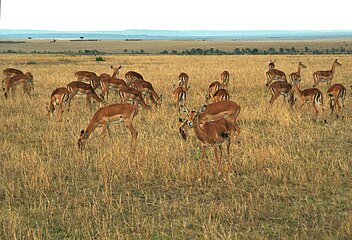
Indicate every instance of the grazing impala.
{"type": "Point", "coordinates": [295, 77]}
{"type": "Point", "coordinates": [219, 95]}
{"type": "Point", "coordinates": [131, 76]}
{"type": "Point", "coordinates": [110, 83]}
{"type": "Point", "coordinates": [180, 98]}
{"type": "Point", "coordinates": [183, 80]}
{"type": "Point", "coordinates": [213, 133]}
{"type": "Point", "coordinates": [213, 87]}
{"type": "Point", "coordinates": [26, 80]}
{"type": "Point", "coordinates": [57, 98]}
{"type": "Point", "coordinates": [281, 88]}
{"type": "Point", "coordinates": [337, 94]}
{"type": "Point", "coordinates": [105, 116]}
{"type": "Point", "coordinates": [133, 96]}
{"type": "Point", "coordinates": [325, 76]}
{"type": "Point", "coordinates": [274, 74]}
{"type": "Point", "coordinates": [10, 72]}
{"type": "Point", "coordinates": [147, 90]}
{"type": "Point", "coordinates": [225, 78]}
{"type": "Point", "coordinates": [88, 77]}
{"type": "Point", "coordinates": [82, 88]}
{"type": "Point", "coordinates": [312, 95]}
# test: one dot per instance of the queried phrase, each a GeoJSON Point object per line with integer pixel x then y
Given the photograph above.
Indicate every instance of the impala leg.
{"type": "Point", "coordinates": [60, 110]}
{"type": "Point", "coordinates": [71, 96]}
{"type": "Point", "coordinates": [202, 161]}
{"type": "Point", "coordinates": [315, 110]}
{"type": "Point", "coordinates": [134, 132]}
{"type": "Point", "coordinates": [273, 98]}
{"type": "Point", "coordinates": [218, 161]}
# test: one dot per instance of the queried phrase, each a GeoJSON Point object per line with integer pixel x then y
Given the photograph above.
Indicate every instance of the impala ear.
{"type": "Point", "coordinates": [202, 109]}
{"type": "Point", "coordinates": [82, 132]}
{"type": "Point", "coordinates": [180, 120]}
{"type": "Point", "coordinates": [120, 67]}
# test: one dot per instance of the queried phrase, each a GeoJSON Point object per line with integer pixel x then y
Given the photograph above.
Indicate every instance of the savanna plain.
{"type": "Point", "coordinates": [288, 178]}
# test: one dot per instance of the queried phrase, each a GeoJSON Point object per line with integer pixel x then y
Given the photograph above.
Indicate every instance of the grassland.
{"type": "Point", "coordinates": [290, 177]}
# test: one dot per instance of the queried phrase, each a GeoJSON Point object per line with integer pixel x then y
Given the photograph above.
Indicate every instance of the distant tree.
{"type": "Point", "coordinates": [81, 38]}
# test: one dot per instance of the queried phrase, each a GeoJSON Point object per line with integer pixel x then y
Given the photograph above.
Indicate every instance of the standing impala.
{"type": "Point", "coordinates": [58, 97]}
{"type": "Point", "coordinates": [295, 77]}
{"type": "Point", "coordinates": [10, 72]}
{"type": "Point", "coordinates": [325, 76]}
{"type": "Point", "coordinates": [133, 96]}
{"type": "Point", "coordinates": [183, 80]}
{"type": "Point", "coordinates": [225, 78]}
{"type": "Point", "coordinates": [26, 80]}
{"type": "Point", "coordinates": [274, 74]}
{"type": "Point", "coordinates": [88, 77]}
{"type": "Point", "coordinates": [112, 114]}
{"type": "Point", "coordinates": [281, 88]}
{"type": "Point", "coordinates": [310, 95]}
{"type": "Point", "coordinates": [180, 98]}
{"type": "Point", "coordinates": [337, 94]}
{"type": "Point", "coordinates": [213, 133]}
{"type": "Point", "coordinates": [147, 90]}
{"type": "Point", "coordinates": [110, 83]}
{"type": "Point", "coordinates": [82, 88]}
{"type": "Point", "coordinates": [131, 76]}
{"type": "Point", "coordinates": [220, 95]}
{"type": "Point", "coordinates": [213, 87]}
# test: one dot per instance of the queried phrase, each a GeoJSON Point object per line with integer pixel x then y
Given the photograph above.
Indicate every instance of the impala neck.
{"type": "Point", "coordinates": [333, 68]}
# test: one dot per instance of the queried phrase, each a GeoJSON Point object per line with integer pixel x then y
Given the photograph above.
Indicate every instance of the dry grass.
{"type": "Point", "coordinates": [290, 178]}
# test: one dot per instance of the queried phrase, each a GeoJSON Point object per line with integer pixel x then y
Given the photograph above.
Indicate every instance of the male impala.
{"type": "Point", "coordinates": [219, 95]}
{"type": "Point", "coordinates": [325, 76]}
{"type": "Point", "coordinates": [110, 83]}
{"type": "Point", "coordinates": [88, 77]}
{"type": "Point", "coordinates": [133, 96]}
{"type": "Point", "coordinates": [225, 78]}
{"type": "Point", "coordinates": [337, 94]}
{"type": "Point", "coordinates": [213, 87]}
{"type": "Point", "coordinates": [281, 88]}
{"type": "Point", "coordinates": [105, 116]}
{"type": "Point", "coordinates": [310, 95]}
{"type": "Point", "coordinates": [26, 80]}
{"type": "Point", "coordinates": [212, 133]}
{"type": "Point", "coordinates": [295, 77]}
{"type": "Point", "coordinates": [274, 74]}
{"type": "Point", "coordinates": [82, 88]}
{"type": "Point", "coordinates": [147, 90]}
{"type": "Point", "coordinates": [10, 72]}
{"type": "Point", "coordinates": [58, 97]}
{"type": "Point", "coordinates": [131, 76]}
{"type": "Point", "coordinates": [183, 80]}
{"type": "Point", "coordinates": [180, 98]}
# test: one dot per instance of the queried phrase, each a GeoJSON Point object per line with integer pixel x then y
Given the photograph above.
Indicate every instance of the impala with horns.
{"type": "Point", "coordinates": [325, 76]}
{"type": "Point", "coordinates": [112, 114]}
{"type": "Point", "coordinates": [213, 133]}
{"type": "Point", "coordinates": [274, 74]}
{"type": "Point", "coordinates": [180, 98]}
{"type": "Point", "coordinates": [336, 94]}
{"type": "Point", "coordinates": [134, 96]}
{"type": "Point", "coordinates": [220, 95]}
{"type": "Point", "coordinates": [88, 77]}
{"type": "Point", "coordinates": [81, 88]}
{"type": "Point", "coordinates": [10, 72]}
{"type": "Point", "coordinates": [311, 95]}
{"type": "Point", "coordinates": [25, 80]}
{"type": "Point", "coordinates": [132, 76]}
{"type": "Point", "coordinates": [58, 97]}
{"type": "Point", "coordinates": [183, 80]}
{"type": "Point", "coordinates": [281, 89]}
{"type": "Point", "coordinates": [295, 77]}
{"type": "Point", "coordinates": [225, 79]}
{"type": "Point", "coordinates": [147, 90]}
{"type": "Point", "coordinates": [110, 83]}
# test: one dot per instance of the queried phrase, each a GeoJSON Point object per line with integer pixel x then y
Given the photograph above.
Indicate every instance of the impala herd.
{"type": "Point", "coordinates": [214, 123]}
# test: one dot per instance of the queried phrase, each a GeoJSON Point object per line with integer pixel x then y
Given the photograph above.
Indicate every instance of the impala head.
{"type": "Point", "coordinates": [183, 129]}
{"type": "Point", "coordinates": [272, 64]}
{"type": "Point", "coordinates": [116, 69]}
{"type": "Point", "coordinates": [84, 135]}
{"type": "Point", "coordinates": [336, 63]}
{"type": "Point", "coordinates": [301, 65]}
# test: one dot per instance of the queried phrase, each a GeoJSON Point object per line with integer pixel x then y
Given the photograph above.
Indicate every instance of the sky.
{"type": "Point", "coordinates": [105, 15]}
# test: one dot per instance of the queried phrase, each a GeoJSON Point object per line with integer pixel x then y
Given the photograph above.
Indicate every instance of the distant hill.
{"type": "Point", "coordinates": [171, 34]}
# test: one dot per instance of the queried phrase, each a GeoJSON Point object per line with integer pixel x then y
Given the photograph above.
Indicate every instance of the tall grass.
{"type": "Point", "coordinates": [289, 177]}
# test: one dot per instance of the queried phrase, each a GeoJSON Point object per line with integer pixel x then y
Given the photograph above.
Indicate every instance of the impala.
{"type": "Point", "coordinates": [337, 94]}
{"type": "Point", "coordinates": [209, 133]}
{"type": "Point", "coordinates": [325, 76]}
{"type": "Point", "coordinates": [114, 73]}
{"type": "Point", "coordinates": [213, 87]}
{"type": "Point", "coordinates": [183, 80]}
{"type": "Point", "coordinates": [81, 88]}
{"type": "Point", "coordinates": [131, 76]}
{"type": "Point", "coordinates": [281, 88]}
{"type": "Point", "coordinates": [132, 95]}
{"type": "Point", "coordinates": [26, 80]}
{"type": "Point", "coordinates": [88, 77]}
{"type": "Point", "coordinates": [295, 77]}
{"type": "Point", "coordinates": [147, 90]}
{"type": "Point", "coordinates": [274, 74]}
{"type": "Point", "coordinates": [180, 98]}
{"type": "Point", "coordinates": [312, 95]}
{"type": "Point", "coordinates": [112, 114]}
{"type": "Point", "coordinates": [220, 95]}
{"type": "Point", "coordinates": [110, 83]}
{"type": "Point", "coordinates": [225, 78]}
{"type": "Point", "coordinates": [57, 98]}
{"type": "Point", "coordinates": [10, 72]}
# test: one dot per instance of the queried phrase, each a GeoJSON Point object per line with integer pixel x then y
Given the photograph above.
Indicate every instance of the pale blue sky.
{"type": "Point", "coordinates": [175, 15]}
